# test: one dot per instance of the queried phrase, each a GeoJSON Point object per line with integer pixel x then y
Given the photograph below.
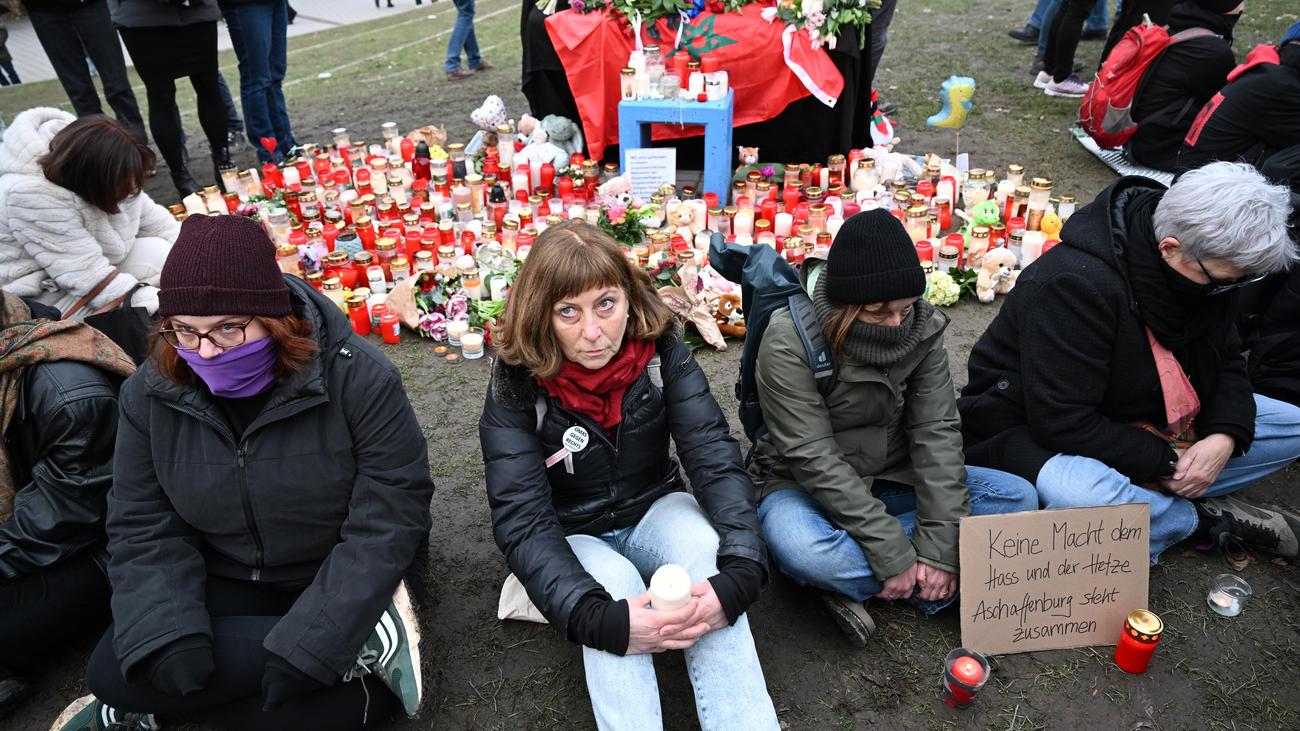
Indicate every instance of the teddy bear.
{"type": "Point", "coordinates": [726, 310]}
{"type": "Point", "coordinates": [563, 133]}
{"type": "Point", "coordinates": [748, 159]}
{"type": "Point", "coordinates": [997, 274]}
{"type": "Point", "coordinates": [538, 147]}
{"type": "Point", "coordinates": [681, 217]}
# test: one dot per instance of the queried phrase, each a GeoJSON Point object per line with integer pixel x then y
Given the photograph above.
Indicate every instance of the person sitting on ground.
{"type": "Point", "coordinates": [1255, 114]}
{"type": "Point", "coordinates": [270, 505]}
{"type": "Point", "coordinates": [592, 382]}
{"type": "Point", "coordinates": [73, 211]}
{"type": "Point", "coordinates": [58, 414]}
{"type": "Point", "coordinates": [1114, 374]}
{"type": "Point", "coordinates": [861, 492]}
{"type": "Point", "coordinates": [1182, 79]}
{"type": "Point", "coordinates": [1269, 319]}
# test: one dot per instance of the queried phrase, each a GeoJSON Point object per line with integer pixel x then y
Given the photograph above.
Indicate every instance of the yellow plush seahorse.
{"type": "Point", "coordinates": [956, 92]}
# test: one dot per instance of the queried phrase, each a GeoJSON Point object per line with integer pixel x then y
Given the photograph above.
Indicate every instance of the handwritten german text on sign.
{"type": "Point", "coordinates": [1052, 579]}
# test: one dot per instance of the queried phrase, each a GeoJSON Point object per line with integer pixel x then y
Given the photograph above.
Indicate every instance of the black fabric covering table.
{"type": "Point", "coordinates": [807, 131]}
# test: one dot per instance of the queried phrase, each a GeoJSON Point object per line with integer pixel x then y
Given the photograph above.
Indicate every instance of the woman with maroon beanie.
{"type": "Point", "coordinates": [270, 493]}
{"type": "Point", "coordinates": [592, 383]}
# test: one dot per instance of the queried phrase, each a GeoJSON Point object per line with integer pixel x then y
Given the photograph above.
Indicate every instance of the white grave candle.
{"type": "Point", "coordinates": [670, 588]}
{"type": "Point", "coordinates": [783, 223]}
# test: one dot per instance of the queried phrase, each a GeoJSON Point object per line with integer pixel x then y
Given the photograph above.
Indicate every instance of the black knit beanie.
{"type": "Point", "coordinates": [1222, 7]}
{"type": "Point", "coordinates": [222, 265]}
{"type": "Point", "coordinates": [873, 260]}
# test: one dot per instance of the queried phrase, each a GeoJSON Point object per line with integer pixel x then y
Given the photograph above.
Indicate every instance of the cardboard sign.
{"type": "Point", "coordinates": [649, 168]}
{"type": "Point", "coordinates": [1052, 579]}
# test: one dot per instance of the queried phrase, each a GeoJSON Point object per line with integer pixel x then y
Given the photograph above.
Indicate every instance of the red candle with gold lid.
{"type": "Point", "coordinates": [1138, 640]}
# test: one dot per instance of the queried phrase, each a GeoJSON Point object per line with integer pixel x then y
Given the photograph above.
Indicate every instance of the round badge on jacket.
{"type": "Point", "coordinates": [575, 439]}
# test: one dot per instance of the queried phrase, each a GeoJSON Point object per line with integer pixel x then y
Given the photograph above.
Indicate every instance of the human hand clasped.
{"type": "Point", "coordinates": [1199, 466]}
{"type": "Point", "coordinates": [934, 584]}
{"type": "Point", "coordinates": [652, 630]}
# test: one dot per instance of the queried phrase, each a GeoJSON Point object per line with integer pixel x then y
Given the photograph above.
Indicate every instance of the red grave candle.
{"type": "Point", "coordinates": [964, 673]}
{"type": "Point", "coordinates": [1138, 641]}
{"type": "Point", "coordinates": [925, 250]}
{"type": "Point", "coordinates": [391, 328]}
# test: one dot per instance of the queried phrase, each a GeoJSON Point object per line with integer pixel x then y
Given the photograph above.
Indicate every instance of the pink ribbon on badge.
{"type": "Point", "coordinates": [575, 440]}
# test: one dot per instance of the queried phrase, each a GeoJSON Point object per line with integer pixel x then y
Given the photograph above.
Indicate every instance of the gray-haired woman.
{"type": "Point", "coordinates": [1113, 373]}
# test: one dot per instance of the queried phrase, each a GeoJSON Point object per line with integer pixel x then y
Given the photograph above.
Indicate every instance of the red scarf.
{"type": "Point", "coordinates": [599, 393]}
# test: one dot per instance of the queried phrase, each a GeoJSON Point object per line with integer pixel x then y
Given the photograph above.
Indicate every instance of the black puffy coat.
{"type": "Point", "coordinates": [614, 482]}
{"type": "Point", "coordinates": [1178, 83]}
{"type": "Point", "coordinates": [1066, 365]}
{"type": "Point", "coordinates": [327, 491]}
{"type": "Point", "coordinates": [1254, 115]}
{"type": "Point", "coordinates": [60, 448]}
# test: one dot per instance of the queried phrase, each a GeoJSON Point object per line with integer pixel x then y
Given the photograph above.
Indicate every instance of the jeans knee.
{"type": "Point", "coordinates": [993, 492]}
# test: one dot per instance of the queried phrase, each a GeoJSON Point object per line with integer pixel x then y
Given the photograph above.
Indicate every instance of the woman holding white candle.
{"type": "Point", "coordinates": [592, 383]}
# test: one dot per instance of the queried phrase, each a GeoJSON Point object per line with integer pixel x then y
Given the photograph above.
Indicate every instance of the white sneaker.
{"type": "Point", "coordinates": [1042, 80]}
{"type": "Point", "coordinates": [1071, 87]}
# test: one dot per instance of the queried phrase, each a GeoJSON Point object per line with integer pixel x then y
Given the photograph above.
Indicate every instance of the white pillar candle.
{"type": "Point", "coordinates": [291, 177]}
{"type": "Point", "coordinates": [497, 287]}
{"type": "Point", "coordinates": [824, 178]}
{"type": "Point", "coordinates": [1031, 247]}
{"type": "Point", "coordinates": [670, 588]}
{"type": "Point", "coordinates": [471, 345]}
{"type": "Point", "coordinates": [744, 240]}
{"type": "Point", "coordinates": [833, 226]}
{"type": "Point", "coordinates": [577, 212]}
{"type": "Point", "coordinates": [783, 223]}
{"type": "Point", "coordinates": [743, 224]}
{"type": "Point", "coordinates": [455, 330]}
{"type": "Point", "coordinates": [194, 205]}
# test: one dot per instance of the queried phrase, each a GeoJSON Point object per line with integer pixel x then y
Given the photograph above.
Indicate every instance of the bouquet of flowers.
{"type": "Point", "coordinates": [441, 298]}
{"type": "Point", "coordinates": [823, 19]}
{"type": "Point", "coordinates": [624, 221]}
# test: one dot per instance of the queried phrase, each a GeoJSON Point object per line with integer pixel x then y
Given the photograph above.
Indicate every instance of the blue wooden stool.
{"type": "Point", "coordinates": [633, 116]}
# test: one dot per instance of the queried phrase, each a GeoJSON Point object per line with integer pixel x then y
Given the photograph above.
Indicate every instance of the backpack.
{"type": "Point", "coordinates": [768, 283]}
{"type": "Point", "coordinates": [1106, 110]}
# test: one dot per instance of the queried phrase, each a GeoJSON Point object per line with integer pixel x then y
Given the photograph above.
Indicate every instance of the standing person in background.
{"type": "Point", "coordinates": [1182, 79]}
{"type": "Point", "coordinates": [234, 123]}
{"type": "Point", "coordinates": [881, 18]}
{"type": "Point", "coordinates": [71, 31]}
{"type": "Point", "coordinates": [7, 73]}
{"type": "Point", "coordinates": [1058, 77]}
{"type": "Point", "coordinates": [167, 42]}
{"type": "Point", "coordinates": [259, 34]}
{"type": "Point", "coordinates": [1038, 27]}
{"type": "Point", "coordinates": [463, 38]}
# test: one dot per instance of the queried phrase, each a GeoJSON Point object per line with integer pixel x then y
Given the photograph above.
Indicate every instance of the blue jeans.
{"type": "Point", "coordinates": [462, 36]}
{"type": "Point", "coordinates": [258, 33]}
{"type": "Point", "coordinates": [1045, 11]}
{"type": "Point", "coordinates": [812, 550]}
{"type": "Point", "coordinates": [730, 692]}
{"type": "Point", "coordinates": [1075, 482]}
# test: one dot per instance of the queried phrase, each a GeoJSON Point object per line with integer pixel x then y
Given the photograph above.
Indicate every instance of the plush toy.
{"type": "Point", "coordinates": [563, 133]}
{"type": "Point", "coordinates": [997, 274]}
{"type": "Point", "coordinates": [891, 165]}
{"type": "Point", "coordinates": [726, 311]}
{"type": "Point", "coordinates": [538, 147]}
{"type": "Point", "coordinates": [956, 93]}
{"type": "Point", "coordinates": [681, 217]}
{"type": "Point", "coordinates": [983, 214]}
{"type": "Point", "coordinates": [434, 137]}
{"type": "Point", "coordinates": [1051, 226]}
{"type": "Point", "coordinates": [882, 129]}
{"type": "Point", "coordinates": [490, 114]}
{"type": "Point", "coordinates": [748, 158]}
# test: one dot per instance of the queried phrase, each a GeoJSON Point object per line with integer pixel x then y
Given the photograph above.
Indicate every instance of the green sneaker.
{"type": "Point", "coordinates": [392, 652]}
{"type": "Point", "coordinates": [88, 713]}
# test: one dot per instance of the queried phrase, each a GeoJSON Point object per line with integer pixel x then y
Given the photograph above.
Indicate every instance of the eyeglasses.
{"type": "Point", "coordinates": [1221, 286]}
{"type": "Point", "coordinates": [225, 335]}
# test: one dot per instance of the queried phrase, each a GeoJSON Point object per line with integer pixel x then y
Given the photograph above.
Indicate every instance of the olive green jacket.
{"type": "Point", "coordinates": [899, 423]}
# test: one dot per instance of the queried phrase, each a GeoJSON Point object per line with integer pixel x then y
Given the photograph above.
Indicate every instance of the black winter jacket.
{"type": "Point", "coordinates": [614, 481]}
{"type": "Point", "coordinates": [1178, 83]}
{"type": "Point", "coordinates": [1254, 116]}
{"type": "Point", "coordinates": [1066, 366]}
{"type": "Point", "coordinates": [60, 447]}
{"type": "Point", "coordinates": [327, 491]}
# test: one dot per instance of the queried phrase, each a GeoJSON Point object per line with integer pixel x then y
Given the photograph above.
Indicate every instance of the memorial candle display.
{"type": "Point", "coordinates": [964, 673]}
{"type": "Point", "coordinates": [1138, 640]}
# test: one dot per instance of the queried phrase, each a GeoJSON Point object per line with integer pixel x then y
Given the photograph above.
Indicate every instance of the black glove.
{"type": "Point", "coordinates": [183, 666]}
{"type": "Point", "coordinates": [282, 681]}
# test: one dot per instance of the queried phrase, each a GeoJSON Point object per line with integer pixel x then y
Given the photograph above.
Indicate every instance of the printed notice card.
{"type": "Point", "coordinates": [1052, 579]}
{"type": "Point", "coordinates": [649, 168]}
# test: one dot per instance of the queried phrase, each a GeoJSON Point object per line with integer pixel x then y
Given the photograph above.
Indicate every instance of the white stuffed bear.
{"type": "Point", "coordinates": [997, 274]}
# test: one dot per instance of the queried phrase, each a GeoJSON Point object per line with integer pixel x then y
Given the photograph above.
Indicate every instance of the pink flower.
{"type": "Point", "coordinates": [578, 5]}
{"type": "Point", "coordinates": [768, 171]}
{"type": "Point", "coordinates": [433, 325]}
{"type": "Point", "coordinates": [457, 307]}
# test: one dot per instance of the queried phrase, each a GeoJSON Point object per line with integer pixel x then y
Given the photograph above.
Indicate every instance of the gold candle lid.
{"type": "Point", "coordinates": [1016, 169]}
{"type": "Point", "coordinates": [980, 232]}
{"type": "Point", "coordinates": [1041, 184]}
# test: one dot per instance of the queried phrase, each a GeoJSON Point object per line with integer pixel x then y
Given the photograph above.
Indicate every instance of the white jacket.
{"type": "Point", "coordinates": [53, 244]}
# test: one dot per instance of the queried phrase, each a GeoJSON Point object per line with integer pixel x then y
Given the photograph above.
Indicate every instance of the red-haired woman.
{"type": "Point", "coordinates": [592, 384]}
{"type": "Point", "coordinates": [270, 493]}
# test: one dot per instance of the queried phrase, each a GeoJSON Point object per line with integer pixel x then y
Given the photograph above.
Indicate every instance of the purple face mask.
{"type": "Point", "coordinates": [238, 372]}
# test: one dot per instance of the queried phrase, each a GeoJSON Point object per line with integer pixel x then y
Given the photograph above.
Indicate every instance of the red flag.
{"type": "Point", "coordinates": [593, 50]}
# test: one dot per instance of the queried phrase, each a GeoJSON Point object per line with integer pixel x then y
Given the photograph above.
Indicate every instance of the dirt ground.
{"type": "Point", "coordinates": [1209, 673]}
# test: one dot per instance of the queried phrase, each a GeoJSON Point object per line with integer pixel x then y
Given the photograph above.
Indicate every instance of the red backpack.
{"type": "Point", "coordinates": [1106, 110]}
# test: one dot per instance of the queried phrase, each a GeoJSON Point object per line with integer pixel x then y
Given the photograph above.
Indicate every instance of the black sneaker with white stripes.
{"type": "Point", "coordinates": [88, 713]}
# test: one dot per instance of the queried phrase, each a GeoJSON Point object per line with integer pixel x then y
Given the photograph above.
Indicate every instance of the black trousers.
{"type": "Point", "coordinates": [68, 38]}
{"type": "Point", "coordinates": [243, 614]}
{"type": "Point", "coordinates": [40, 612]}
{"type": "Point", "coordinates": [1063, 41]}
